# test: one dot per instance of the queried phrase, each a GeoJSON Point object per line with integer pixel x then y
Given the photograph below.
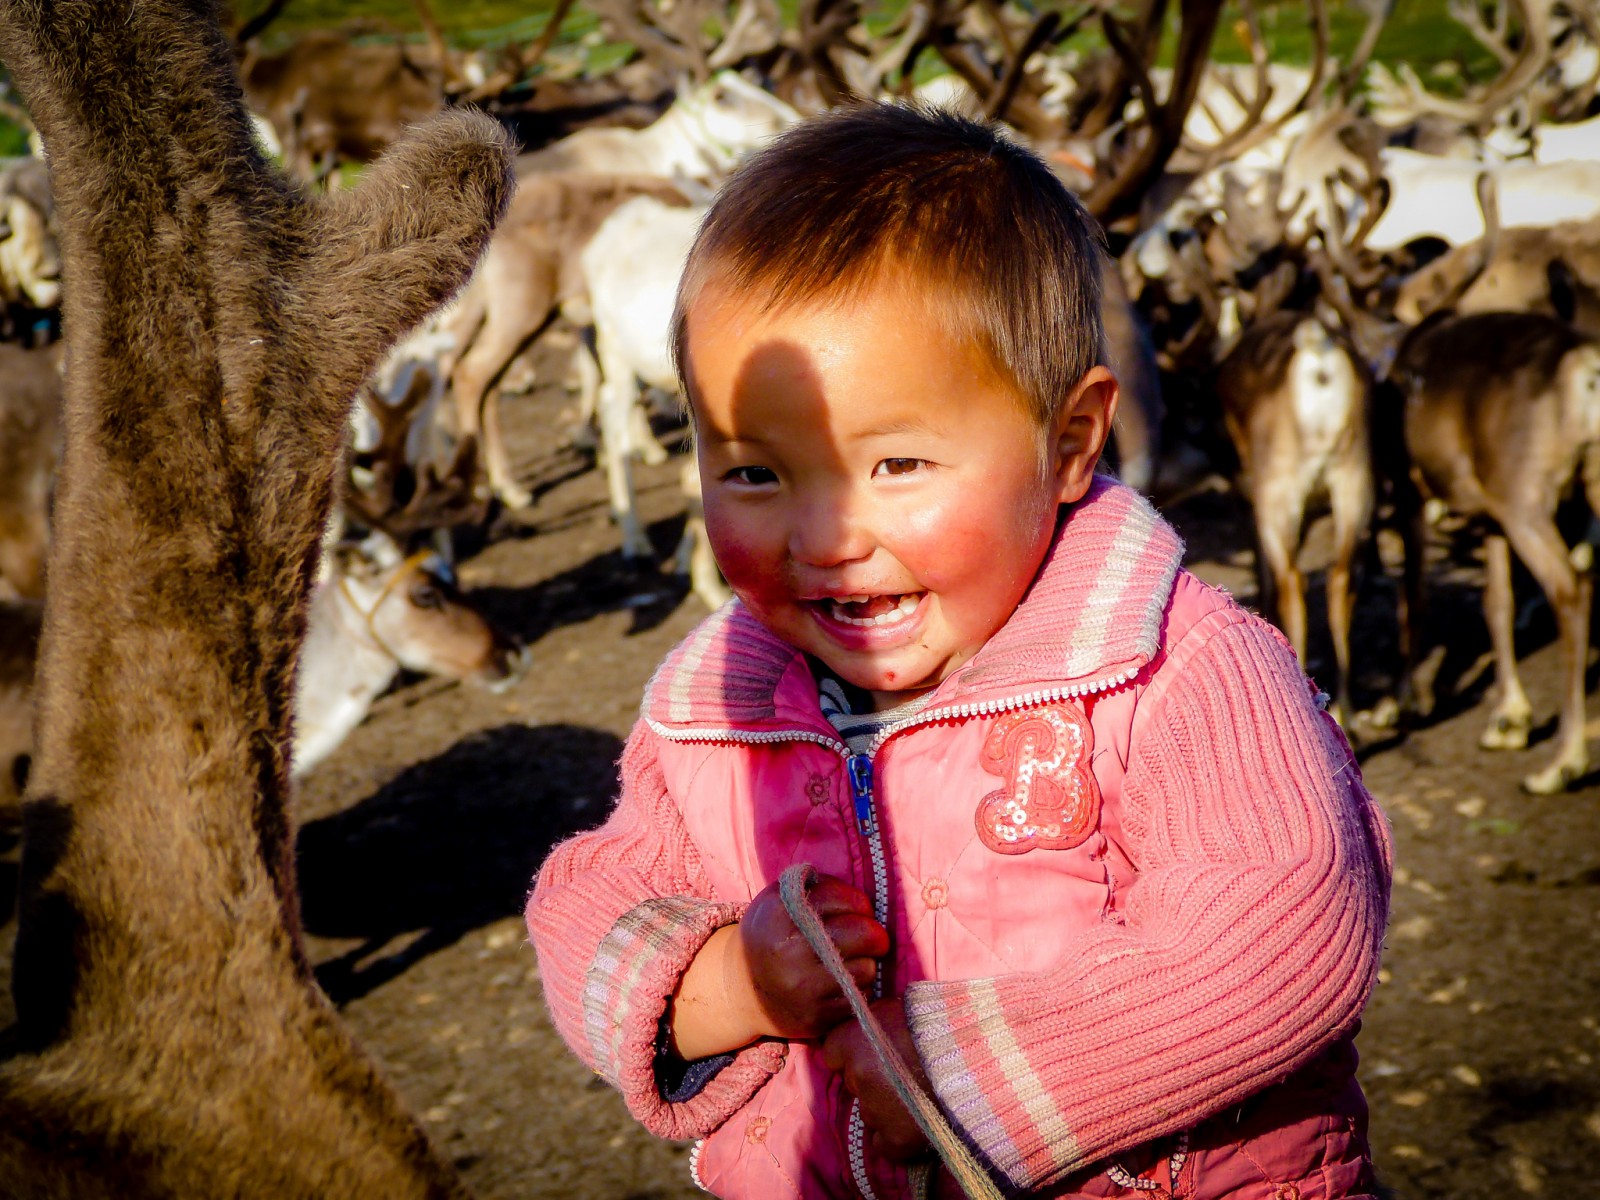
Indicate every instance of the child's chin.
{"type": "Point", "coordinates": [884, 681]}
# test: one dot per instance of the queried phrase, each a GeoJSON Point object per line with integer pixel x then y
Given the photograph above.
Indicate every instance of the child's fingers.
{"type": "Point", "coordinates": [831, 895]}
{"type": "Point", "coordinates": [862, 970]}
{"type": "Point", "coordinates": [857, 935]}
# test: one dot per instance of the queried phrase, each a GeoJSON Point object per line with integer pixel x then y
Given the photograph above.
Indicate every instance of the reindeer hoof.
{"type": "Point", "coordinates": [1555, 778]}
{"type": "Point", "coordinates": [514, 497]}
{"type": "Point", "coordinates": [637, 550]}
{"type": "Point", "coordinates": [1384, 715]}
{"type": "Point", "coordinates": [1506, 732]}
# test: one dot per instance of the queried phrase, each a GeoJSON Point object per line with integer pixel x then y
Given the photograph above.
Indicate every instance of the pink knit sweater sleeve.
{"type": "Point", "coordinates": [616, 916]}
{"type": "Point", "coordinates": [1249, 942]}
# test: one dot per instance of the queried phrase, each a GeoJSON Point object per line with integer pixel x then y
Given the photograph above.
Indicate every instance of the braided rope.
{"type": "Point", "coordinates": [793, 885]}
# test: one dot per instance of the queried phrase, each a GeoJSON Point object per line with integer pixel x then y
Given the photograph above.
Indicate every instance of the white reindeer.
{"type": "Point", "coordinates": [30, 260]}
{"type": "Point", "coordinates": [700, 137]}
{"type": "Point", "coordinates": [631, 268]}
{"type": "Point", "coordinates": [1437, 197]}
{"type": "Point", "coordinates": [374, 614]}
{"type": "Point", "coordinates": [528, 272]}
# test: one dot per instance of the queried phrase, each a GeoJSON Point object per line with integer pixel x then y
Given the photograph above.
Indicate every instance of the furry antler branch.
{"type": "Point", "coordinates": [218, 324]}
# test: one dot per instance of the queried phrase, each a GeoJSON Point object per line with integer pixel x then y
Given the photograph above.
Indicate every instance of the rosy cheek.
{"type": "Point", "coordinates": [749, 560]}
{"type": "Point", "coordinates": [986, 551]}
{"type": "Point", "coordinates": [943, 543]}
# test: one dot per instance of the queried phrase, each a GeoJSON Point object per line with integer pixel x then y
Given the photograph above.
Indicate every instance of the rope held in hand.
{"type": "Point", "coordinates": [793, 887]}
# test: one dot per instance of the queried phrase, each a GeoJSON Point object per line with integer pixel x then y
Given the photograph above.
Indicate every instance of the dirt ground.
{"type": "Point", "coordinates": [420, 834]}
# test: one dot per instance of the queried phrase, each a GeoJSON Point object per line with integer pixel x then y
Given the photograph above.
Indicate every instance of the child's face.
{"type": "Point", "coordinates": [875, 491]}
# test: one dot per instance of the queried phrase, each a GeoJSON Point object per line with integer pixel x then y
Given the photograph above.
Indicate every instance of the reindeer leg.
{"type": "Point", "coordinates": [519, 309]}
{"type": "Point", "coordinates": [693, 556]}
{"type": "Point", "coordinates": [1352, 499]}
{"type": "Point", "coordinates": [705, 577]}
{"type": "Point", "coordinates": [1279, 516]}
{"type": "Point", "coordinates": [1570, 593]}
{"type": "Point", "coordinates": [584, 435]}
{"type": "Point", "coordinates": [502, 478]}
{"type": "Point", "coordinates": [618, 394]}
{"type": "Point", "coordinates": [1513, 715]}
{"type": "Point", "coordinates": [643, 439]}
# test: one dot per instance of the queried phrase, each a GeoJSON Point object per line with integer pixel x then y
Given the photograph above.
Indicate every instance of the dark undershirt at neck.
{"type": "Point", "coordinates": [849, 709]}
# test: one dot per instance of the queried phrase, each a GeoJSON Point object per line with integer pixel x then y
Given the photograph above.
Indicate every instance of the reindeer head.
{"type": "Point", "coordinates": [733, 116]}
{"type": "Point", "coordinates": [30, 259]}
{"type": "Point", "coordinates": [413, 611]}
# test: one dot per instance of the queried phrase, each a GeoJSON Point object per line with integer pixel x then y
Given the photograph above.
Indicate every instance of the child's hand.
{"type": "Point", "coordinates": [760, 978]}
{"type": "Point", "coordinates": [895, 1134]}
{"type": "Point", "coordinates": [797, 996]}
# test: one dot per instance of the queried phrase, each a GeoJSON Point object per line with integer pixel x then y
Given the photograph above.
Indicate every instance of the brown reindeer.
{"type": "Point", "coordinates": [1295, 401]}
{"type": "Point", "coordinates": [1551, 269]}
{"type": "Point", "coordinates": [1501, 410]}
{"type": "Point", "coordinates": [170, 1038]}
{"type": "Point", "coordinates": [332, 101]}
{"type": "Point", "coordinates": [530, 271]}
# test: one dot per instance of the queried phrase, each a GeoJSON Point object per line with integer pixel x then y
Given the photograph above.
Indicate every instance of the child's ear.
{"type": "Point", "coordinates": [1081, 431]}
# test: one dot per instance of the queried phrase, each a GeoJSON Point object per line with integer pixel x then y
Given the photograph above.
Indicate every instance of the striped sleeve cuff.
{"type": "Point", "coordinates": [634, 973]}
{"type": "Point", "coordinates": [986, 1085]}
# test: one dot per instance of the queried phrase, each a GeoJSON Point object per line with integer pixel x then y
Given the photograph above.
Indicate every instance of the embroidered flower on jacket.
{"type": "Point", "coordinates": [756, 1132]}
{"type": "Point", "coordinates": [819, 789]}
{"type": "Point", "coordinates": [935, 893]}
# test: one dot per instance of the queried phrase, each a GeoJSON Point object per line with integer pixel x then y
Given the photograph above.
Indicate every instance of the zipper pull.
{"type": "Point", "coordinates": [860, 768]}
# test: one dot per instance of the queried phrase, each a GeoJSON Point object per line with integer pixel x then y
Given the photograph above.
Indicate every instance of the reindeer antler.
{"type": "Point", "coordinates": [1252, 130]}
{"type": "Point", "coordinates": [1520, 67]}
{"type": "Point", "coordinates": [403, 499]}
{"type": "Point", "coordinates": [669, 33]}
{"type": "Point", "coordinates": [1118, 191]}
{"type": "Point", "coordinates": [216, 331]}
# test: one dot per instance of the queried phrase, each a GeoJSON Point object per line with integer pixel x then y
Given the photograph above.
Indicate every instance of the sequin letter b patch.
{"type": "Point", "coordinates": [1050, 800]}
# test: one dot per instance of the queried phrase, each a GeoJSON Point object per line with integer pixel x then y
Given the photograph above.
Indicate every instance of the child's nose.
{"type": "Point", "coordinates": [830, 534]}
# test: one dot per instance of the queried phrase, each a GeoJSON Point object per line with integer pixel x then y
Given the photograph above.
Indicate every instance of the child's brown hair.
{"type": "Point", "coordinates": [1010, 257]}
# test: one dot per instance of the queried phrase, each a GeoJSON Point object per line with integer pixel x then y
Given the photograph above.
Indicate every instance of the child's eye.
{"type": "Point", "coordinates": [897, 466]}
{"type": "Point", "coordinates": [753, 476]}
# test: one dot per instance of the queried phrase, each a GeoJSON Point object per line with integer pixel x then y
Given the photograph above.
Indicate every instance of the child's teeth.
{"type": "Point", "coordinates": [902, 609]}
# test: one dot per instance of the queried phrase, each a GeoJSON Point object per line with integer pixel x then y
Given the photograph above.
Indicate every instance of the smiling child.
{"type": "Point", "coordinates": [1083, 831]}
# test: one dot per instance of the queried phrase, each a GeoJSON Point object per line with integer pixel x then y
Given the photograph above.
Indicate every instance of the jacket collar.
{"type": "Point", "coordinates": [1091, 619]}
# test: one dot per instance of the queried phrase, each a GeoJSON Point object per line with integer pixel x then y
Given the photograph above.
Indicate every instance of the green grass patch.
{"type": "Point", "coordinates": [1497, 826]}
{"type": "Point", "coordinates": [13, 139]}
{"type": "Point", "coordinates": [1419, 31]}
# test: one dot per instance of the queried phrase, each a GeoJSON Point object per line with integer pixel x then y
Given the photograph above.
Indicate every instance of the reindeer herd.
{"type": "Point", "coordinates": [1328, 284]}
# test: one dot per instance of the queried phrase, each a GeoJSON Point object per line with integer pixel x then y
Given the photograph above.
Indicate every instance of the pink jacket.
{"type": "Point", "coordinates": [1136, 892]}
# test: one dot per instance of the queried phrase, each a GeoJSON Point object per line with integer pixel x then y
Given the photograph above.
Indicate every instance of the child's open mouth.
{"type": "Point", "coordinates": [865, 611]}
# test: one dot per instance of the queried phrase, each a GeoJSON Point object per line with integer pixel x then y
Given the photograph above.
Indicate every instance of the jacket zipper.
{"type": "Point", "coordinates": [1009, 704]}
{"type": "Point", "coordinates": [859, 770]}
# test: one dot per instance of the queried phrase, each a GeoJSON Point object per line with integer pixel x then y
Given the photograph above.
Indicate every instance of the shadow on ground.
{"type": "Point", "coordinates": [605, 583]}
{"type": "Point", "coordinates": [447, 846]}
